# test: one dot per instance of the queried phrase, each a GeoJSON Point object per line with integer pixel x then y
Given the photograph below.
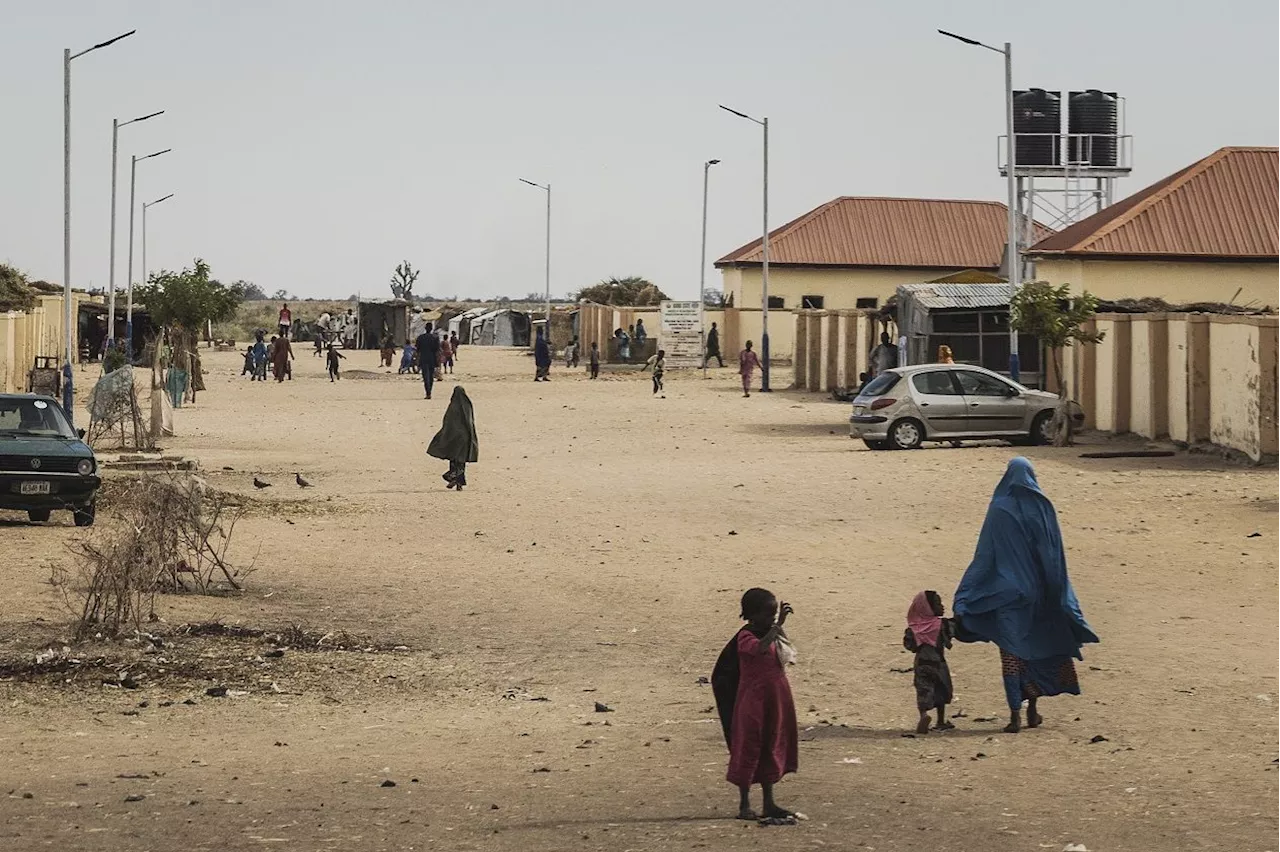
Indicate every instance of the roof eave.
{"type": "Point", "coordinates": [1201, 258]}
{"type": "Point", "coordinates": [755, 264]}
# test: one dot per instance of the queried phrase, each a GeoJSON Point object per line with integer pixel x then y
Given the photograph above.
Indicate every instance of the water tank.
{"type": "Point", "coordinates": [1039, 114]}
{"type": "Point", "coordinates": [1093, 113]}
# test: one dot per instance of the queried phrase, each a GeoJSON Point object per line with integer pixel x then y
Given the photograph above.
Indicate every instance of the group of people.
{"type": "Point", "coordinates": [277, 353]}
{"type": "Point", "coordinates": [1015, 594]}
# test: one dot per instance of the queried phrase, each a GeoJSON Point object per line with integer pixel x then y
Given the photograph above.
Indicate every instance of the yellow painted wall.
{"type": "Point", "coordinates": [1178, 426]}
{"type": "Point", "coordinates": [841, 288]}
{"type": "Point", "coordinates": [1177, 282]}
{"type": "Point", "coordinates": [1234, 418]}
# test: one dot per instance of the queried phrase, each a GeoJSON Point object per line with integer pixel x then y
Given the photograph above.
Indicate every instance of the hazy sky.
{"type": "Point", "coordinates": [316, 144]}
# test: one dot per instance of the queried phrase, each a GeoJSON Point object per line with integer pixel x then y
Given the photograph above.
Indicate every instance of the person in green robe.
{"type": "Point", "coordinates": [456, 441]}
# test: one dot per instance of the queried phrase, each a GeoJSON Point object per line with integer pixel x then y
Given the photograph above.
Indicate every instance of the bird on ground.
{"type": "Point", "coordinates": [260, 484]}
{"type": "Point", "coordinates": [302, 483]}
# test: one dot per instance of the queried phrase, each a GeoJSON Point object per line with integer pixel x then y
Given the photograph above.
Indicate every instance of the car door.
{"type": "Point", "coordinates": [940, 402]}
{"type": "Point", "coordinates": [995, 407]}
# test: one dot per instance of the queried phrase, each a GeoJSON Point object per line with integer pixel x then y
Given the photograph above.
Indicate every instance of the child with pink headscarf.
{"type": "Point", "coordinates": [928, 635]}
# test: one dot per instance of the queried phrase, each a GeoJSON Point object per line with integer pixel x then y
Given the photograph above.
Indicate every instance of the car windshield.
{"type": "Point", "coordinates": [881, 384]}
{"type": "Point", "coordinates": [35, 417]}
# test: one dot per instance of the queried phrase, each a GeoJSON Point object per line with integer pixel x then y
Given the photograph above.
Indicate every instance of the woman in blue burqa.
{"type": "Point", "coordinates": [1016, 594]}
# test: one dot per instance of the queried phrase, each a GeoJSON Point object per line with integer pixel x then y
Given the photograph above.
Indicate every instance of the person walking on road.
{"type": "Point", "coordinates": [713, 347]}
{"type": "Point", "coordinates": [428, 357]}
{"type": "Point", "coordinates": [541, 358]}
{"type": "Point", "coordinates": [456, 441]}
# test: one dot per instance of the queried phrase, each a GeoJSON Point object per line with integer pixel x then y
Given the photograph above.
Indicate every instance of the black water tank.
{"type": "Point", "coordinates": [1039, 114]}
{"type": "Point", "coordinates": [1094, 113]}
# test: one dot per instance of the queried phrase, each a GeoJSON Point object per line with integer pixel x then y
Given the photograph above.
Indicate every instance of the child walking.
{"type": "Point", "coordinates": [456, 441]}
{"type": "Point", "coordinates": [332, 359]}
{"type": "Point", "coordinates": [659, 364]}
{"type": "Point", "coordinates": [748, 363]}
{"type": "Point", "coordinates": [594, 359]}
{"type": "Point", "coordinates": [754, 701]}
{"type": "Point", "coordinates": [928, 635]}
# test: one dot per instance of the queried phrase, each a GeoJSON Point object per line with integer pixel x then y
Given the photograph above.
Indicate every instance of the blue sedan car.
{"type": "Point", "coordinates": [44, 464]}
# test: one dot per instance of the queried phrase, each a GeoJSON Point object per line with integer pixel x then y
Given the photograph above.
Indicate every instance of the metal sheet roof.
{"type": "Point", "coordinates": [1224, 206]}
{"type": "Point", "coordinates": [921, 233]}
{"type": "Point", "coordinates": [944, 296]}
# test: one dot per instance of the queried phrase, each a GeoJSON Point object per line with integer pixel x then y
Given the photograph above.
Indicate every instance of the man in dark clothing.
{"type": "Point", "coordinates": [428, 356]}
{"type": "Point", "coordinates": [541, 358]}
{"type": "Point", "coordinates": [883, 357]}
{"type": "Point", "coordinates": [713, 346]}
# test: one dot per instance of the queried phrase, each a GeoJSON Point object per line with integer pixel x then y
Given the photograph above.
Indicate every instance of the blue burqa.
{"type": "Point", "coordinates": [1016, 592]}
{"type": "Point", "coordinates": [541, 352]}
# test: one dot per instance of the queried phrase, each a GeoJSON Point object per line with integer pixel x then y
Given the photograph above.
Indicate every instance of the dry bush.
{"type": "Point", "coordinates": [163, 534]}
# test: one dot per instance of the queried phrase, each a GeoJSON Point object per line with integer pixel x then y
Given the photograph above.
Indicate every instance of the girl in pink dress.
{"type": "Point", "coordinates": [755, 704]}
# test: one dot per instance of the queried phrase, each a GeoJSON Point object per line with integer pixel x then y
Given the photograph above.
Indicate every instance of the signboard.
{"type": "Point", "coordinates": [680, 334]}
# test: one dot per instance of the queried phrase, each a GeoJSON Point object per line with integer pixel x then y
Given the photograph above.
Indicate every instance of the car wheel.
{"type": "Point", "coordinates": [1042, 429]}
{"type": "Point", "coordinates": [875, 445]}
{"type": "Point", "coordinates": [84, 516]}
{"type": "Point", "coordinates": [906, 434]}
{"type": "Point", "coordinates": [38, 516]}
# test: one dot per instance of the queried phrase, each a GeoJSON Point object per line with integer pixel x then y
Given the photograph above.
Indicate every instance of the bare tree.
{"type": "Point", "coordinates": [402, 281]}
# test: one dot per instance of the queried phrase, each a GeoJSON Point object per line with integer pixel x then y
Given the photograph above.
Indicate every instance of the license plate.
{"type": "Point", "coordinates": [33, 488]}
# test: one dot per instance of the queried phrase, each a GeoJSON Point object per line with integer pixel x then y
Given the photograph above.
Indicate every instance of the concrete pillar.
{"type": "Point", "coordinates": [1198, 397]}
{"type": "Point", "coordinates": [812, 370]}
{"type": "Point", "coordinates": [1121, 380]}
{"type": "Point", "coordinates": [842, 350]}
{"type": "Point", "coordinates": [801, 372]}
{"type": "Point", "coordinates": [828, 322]}
{"type": "Point", "coordinates": [1158, 375]}
{"type": "Point", "coordinates": [1268, 375]}
{"type": "Point", "coordinates": [862, 344]}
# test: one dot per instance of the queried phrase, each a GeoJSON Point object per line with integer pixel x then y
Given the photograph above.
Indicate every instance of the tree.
{"type": "Point", "coordinates": [252, 292]}
{"type": "Point", "coordinates": [15, 294]}
{"type": "Point", "coordinates": [713, 297]}
{"type": "Point", "coordinates": [282, 295]}
{"type": "Point", "coordinates": [630, 291]}
{"type": "Point", "coordinates": [1057, 320]}
{"type": "Point", "coordinates": [402, 281]}
{"type": "Point", "coordinates": [189, 298]}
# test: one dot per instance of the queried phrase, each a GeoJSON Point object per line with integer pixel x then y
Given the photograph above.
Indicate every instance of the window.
{"type": "Point", "coordinates": [944, 323]}
{"type": "Point", "coordinates": [811, 302]}
{"type": "Point", "coordinates": [868, 303]}
{"type": "Point", "coordinates": [980, 384]}
{"type": "Point", "coordinates": [776, 302]}
{"type": "Point", "coordinates": [881, 384]}
{"type": "Point", "coordinates": [936, 382]}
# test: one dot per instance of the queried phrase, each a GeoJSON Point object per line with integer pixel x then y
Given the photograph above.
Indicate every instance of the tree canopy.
{"type": "Point", "coordinates": [15, 294]}
{"type": "Point", "coordinates": [188, 298]}
{"type": "Point", "coordinates": [630, 291]}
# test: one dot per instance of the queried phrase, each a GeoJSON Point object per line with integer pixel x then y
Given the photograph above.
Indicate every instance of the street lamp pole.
{"type": "Point", "coordinates": [702, 269]}
{"type": "Point", "coordinates": [111, 274]}
{"type": "Point", "coordinates": [764, 254]}
{"type": "Point", "coordinates": [68, 331]}
{"type": "Point", "coordinates": [133, 190]}
{"type": "Point", "coordinates": [144, 230]}
{"type": "Point", "coordinates": [547, 187]}
{"type": "Point", "coordinates": [1011, 238]}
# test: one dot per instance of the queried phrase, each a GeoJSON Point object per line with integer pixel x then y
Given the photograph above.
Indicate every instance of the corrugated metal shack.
{"type": "Point", "coordinates": [971, 318]}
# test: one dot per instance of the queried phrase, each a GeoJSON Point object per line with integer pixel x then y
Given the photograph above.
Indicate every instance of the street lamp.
{"type": "Point", "coordinates": [764, 255]}
{"type": "Point", "coordinates": [145, 205]}
{"type": "Point", "coordinates": [68, 398]}
{"type": "Point", "coordinates": [702, 270]}
{"type": "Point", "coordinates": [111, 274]}
{"type": "Point", "coordinates": [1015, 257]}
{"type": "Point", "coordinates": [547, 332]}
{"type": "Point", "coordinates": [133, 188]}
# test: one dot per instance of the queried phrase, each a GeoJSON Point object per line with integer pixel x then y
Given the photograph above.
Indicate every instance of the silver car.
{"type": "Point", "coordinates": [904, 407]}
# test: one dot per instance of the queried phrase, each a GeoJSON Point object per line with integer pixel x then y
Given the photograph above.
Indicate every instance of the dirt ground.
{"type": "Point", "coordinates": [598, 556]}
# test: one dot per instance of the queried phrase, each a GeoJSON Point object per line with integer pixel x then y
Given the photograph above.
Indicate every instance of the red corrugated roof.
{"type": "Point", "coordinates": [909, 232]}
{"type": "Point", "coordinates": [1224, 206]}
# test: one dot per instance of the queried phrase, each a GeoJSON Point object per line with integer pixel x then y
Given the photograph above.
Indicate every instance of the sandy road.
{"type": "Point", "coordinates": [592, 560]}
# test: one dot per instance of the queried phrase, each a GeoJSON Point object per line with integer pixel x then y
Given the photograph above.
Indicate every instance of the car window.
{"type": "Point", "coordinates": [980, 384]}
{"type": "Point", "coordinates": [880, 384]}
{"type": "Point", "coordinates": [32, 417]}
{"type": "Point", "coordinates": [937, 382]}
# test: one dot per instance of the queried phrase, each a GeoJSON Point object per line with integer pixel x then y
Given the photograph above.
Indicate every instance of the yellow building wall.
{"type": "Point", "coordinates": [840, 288]}
{"type": "Point", "coordinates": [1177, 282]}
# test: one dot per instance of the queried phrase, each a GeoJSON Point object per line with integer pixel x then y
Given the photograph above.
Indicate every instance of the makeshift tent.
{"type": "Point", "coordinates": [379, 318]}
